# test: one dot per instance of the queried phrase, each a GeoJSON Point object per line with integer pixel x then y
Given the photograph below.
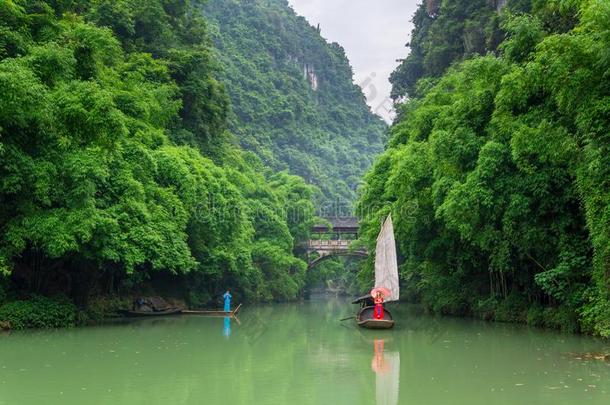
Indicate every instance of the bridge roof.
{"type": "Point", "coordinates": [339, 224]}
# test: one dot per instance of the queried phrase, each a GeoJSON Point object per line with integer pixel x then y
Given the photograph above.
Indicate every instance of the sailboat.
{"type": "Point", "coordinates": [386, 281]}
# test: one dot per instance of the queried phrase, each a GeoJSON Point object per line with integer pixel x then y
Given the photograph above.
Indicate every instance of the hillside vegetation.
{"type": "Point", "coordinates": [498, 168]}
{"type": "Point", "coordinates": [118, 173]}
{"type": "Point", "coordinates": [294, 101]}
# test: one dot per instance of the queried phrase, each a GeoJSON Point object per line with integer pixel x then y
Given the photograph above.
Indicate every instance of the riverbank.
{"type": "Point", "coordinates": [40, 312]}
{"type": "Point", "coordinates": [62, 307]}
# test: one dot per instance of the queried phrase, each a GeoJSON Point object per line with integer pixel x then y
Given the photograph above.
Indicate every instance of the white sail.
{"type": "Point", "coordinates": [386, 266]}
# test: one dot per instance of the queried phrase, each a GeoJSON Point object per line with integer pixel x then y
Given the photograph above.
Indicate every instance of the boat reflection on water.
{"type": "Point", "coordinates": [386, 366]}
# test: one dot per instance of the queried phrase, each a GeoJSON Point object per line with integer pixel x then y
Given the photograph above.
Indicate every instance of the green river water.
{"type": "Point", "coordinates": [300, 354]}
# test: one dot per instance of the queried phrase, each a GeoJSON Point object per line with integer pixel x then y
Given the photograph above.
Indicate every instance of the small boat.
{"type": "Point", "coordinates": [165, 312]}
{"type": "Point", "coordinates": [386, 280]}
{"type": "Point", "coordinates": [365, 317]}
{"type": "Point", "coordinates": [212, 313]}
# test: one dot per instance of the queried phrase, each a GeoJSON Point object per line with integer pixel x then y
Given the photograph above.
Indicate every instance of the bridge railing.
{"type": "Point", "coordinates": [329, 244]}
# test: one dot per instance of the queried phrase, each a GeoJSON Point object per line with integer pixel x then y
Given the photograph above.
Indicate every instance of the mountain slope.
{"type": "Point", "coordinates": [293, 96]}
{"type": "Point", "coordinates": [451, 31]}
{"type": "Point", "coordinates": [117, 173]}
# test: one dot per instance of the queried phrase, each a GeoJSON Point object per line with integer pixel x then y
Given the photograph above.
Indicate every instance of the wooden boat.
{"type": "Point", "coordinates": [386, 278]}
{"type": "Point", "coordinates": [366, 319]}
{"type": "Point", "coordinates": [212, 313]}
{"type": "Point", "coordinates": [165, 312]}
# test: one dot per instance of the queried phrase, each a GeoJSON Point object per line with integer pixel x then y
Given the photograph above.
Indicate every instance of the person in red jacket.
{"type": "Point", "coordinates": [378, 311]}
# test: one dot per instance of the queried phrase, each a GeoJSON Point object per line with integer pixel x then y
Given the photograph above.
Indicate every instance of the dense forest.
{"type": "Point", "coordinates": [181, 148]}
{"type": "Point", "coordinates": [121, 170]}
{"type": "Point", "coordinates": [498, 168]}
{"type": "Point", "coordinates": [293, 98]}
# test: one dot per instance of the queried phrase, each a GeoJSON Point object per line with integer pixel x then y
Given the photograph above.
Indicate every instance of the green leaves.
{"type": "Point", "coordinates": [39, 312]}
{"type": "Point", "coordinates": [524, 32]}
{"type": "Point", "coordinates": [294, 101]}
{"type": "Point", "coordinates": [87, 115]}
{"type": "Point", "coordinates": [497, 178]}
{"type": "Point", "coordinates": [52, 63]}
{"type": "Point", "coordinates": [5, 270]}
{"type": "Point", "coordinates": [23, 97]}
{"type": "Point", "coordinates": [92, 186]}
{"type": "Point", "coordinates": [557, 282]}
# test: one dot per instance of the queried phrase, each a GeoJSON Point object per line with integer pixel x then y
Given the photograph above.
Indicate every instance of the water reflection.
{"type": "Point", "coordinates": [298, 354]}
{"type": "Point", "coordinates": [227, 327]}
{"type": "Point", "coordinates": [255, 326]}
{"type": "Point", "coordinates": [386, 366]}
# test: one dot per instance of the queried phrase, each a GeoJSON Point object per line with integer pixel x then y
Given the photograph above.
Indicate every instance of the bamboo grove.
{"type": "Point", "coordinates": [118, 173]}
{"type": "Point", "coordinates": [498, 167]}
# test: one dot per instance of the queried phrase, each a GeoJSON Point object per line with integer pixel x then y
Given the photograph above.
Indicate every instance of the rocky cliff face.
{"type": "Point", "coordinates": [432, 7]}
{"type": "Point", "coordinates": [309, 74]}
{"type": "Point", "coordinates": [500, 4]}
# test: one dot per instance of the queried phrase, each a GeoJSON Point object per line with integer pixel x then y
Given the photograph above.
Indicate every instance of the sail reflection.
{"type": "Point", "coordinates": [386, 366]}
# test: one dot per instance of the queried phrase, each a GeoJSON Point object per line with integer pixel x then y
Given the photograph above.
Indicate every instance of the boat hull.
{"type": "Point", "coordinates": [366, 319]}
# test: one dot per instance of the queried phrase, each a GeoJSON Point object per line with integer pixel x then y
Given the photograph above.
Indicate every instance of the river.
{"type": "Point", "coordinates": [300, 354]}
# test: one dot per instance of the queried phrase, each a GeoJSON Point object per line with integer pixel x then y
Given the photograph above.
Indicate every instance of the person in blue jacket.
{"type": "Point", "coordinates": [227, 297]}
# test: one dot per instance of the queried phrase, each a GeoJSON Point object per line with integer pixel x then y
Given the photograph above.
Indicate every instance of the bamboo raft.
{"type": "Point", "coordinates": [157, 306]}
{"type": "Point", "coordinates": [212, 313]}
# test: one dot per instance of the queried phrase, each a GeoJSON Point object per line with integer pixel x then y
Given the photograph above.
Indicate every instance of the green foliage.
{"type": "Point", "coordinates": [3, 290]}
{"type": "Point", "coordinates": [497, 179]}
{"type": "Point", "coordinates": [594, 315]}
{"type": "Point", "coordinates": [293, 97]}
{"type": "Point", "coordinates": [524, 32]}
{"type": "Point", "coordinates": [512, 309]}
{"type": "Point", "coordinates": [456, 31]}
{"type": "Point", "coordinates": [116, 164]}
{"type": "Point", "coordinates": [336, 274]}
{"type": "Point", "coordinates": [39, 312]}
{"type": "Point", "coordinates": [284, 275]}
{"type": "Point", "coordinates": [103, 308]}
{"type": "Point", "coordinates": [461, 29]}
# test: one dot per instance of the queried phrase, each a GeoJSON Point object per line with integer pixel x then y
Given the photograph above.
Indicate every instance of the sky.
{"type": "Point", "coordinates": [373, 33]}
